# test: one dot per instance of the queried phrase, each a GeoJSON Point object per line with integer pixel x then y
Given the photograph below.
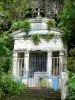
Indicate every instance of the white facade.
{"type": "Point", "coordinates": [24, 46]}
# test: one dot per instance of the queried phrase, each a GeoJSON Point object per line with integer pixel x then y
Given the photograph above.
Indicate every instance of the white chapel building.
{"type": "Point", "coordinates": [44, 61]}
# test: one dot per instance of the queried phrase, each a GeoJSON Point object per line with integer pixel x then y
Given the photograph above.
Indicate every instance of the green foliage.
{"type": "Point", "coordinates": [65, 37]}
{"type": "Point", "coordinates": [71, 64]}
{"type": "Point", "coordinates": [12, 10]}
{"type": "Point", "coordinates": [71, 80]}
{"type": "Point", "coordinates": [16, 25]}
{"type": "Point", "coordinates": [50, 24]}
{"type": "Point", "coordinates": [71, 61]}
{"type": "Point", "coordinates": [9, 86]}
{"type": "Point", "coordinates": [36, 39]}
{"type": "Point", "coordinates": [48, 37]}
{"type": "Point", "coordinates": [21, 25]}
{"type": "Point", "coordinates": [44, 83]}
{"type": "Point", "coordinates": [2, 50]}
{"type": "Point", "coordinates": [1, 94]}
{"type": "Point", "coordinates": [26, 25]}
{"type": "Point", "coordinates": [67, 19]}
{"type": "Point", "coordinates": [8, 40]}
{"type": "Point", "coordinates": [72, 52]}
{"type": "Point", "coordinates": [5, 58]}
{"type": "Point", "coordinates": [71, 87]}
{"type": "Point", "coordinates": [5, 52]}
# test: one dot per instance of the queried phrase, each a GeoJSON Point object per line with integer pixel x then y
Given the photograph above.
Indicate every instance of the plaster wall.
{"type": "Point", "coordinates": [53, 45]}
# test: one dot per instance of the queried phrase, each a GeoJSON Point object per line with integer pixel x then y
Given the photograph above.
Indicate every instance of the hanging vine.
{"type": "Point", "coordinates": [36, 38]}
{"type": "Point", "coordinates": [48, 37]}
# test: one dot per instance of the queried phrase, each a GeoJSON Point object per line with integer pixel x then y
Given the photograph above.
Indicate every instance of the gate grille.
{"type": "Point", "coordinates": [37, 64]}
{"type": "Point", "coordinates": [55, 66]}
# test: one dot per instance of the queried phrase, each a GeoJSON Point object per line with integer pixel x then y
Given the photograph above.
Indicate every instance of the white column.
{"type": "Point", "coordinates": [64, 88]}
{"type": "Point", "coordinates": [26, 67]}
{"type": "Point", "coordinates": [14, 69]}
{"type": "Point", "coordinates": [26, 62]}
{"type": "Point", "coordinates": [49, 63]}
{"type": "Point", "coordinates": [61, 61]}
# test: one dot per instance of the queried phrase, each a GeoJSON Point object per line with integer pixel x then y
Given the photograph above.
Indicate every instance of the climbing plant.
{"type": "Point", "coordinates": [51, 23]}
{"type": "Point", "coordinates": [36, 39]}
{"type": "Point", "coordinates": [21, 25]}
{"type": "Point", "coordinates": [67, 21]}
{"type": "Point", "coordinates": [71, 61]}
{"type": "Point", "coordinates": [71, 74]}
{"type": "Point", "coordinates": [16, 26]}
{"type": "Point", "coordinates": [48, 37]}
{"type": "Point", "coordinates": [27, 25]}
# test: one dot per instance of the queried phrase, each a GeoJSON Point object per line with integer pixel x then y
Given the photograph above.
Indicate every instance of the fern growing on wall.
{"type": "Point", "coordinates": [51, 23]}
{"type": "Point", "coordinates": [36, 39]}
{"type": "Point", "coordinates": [48, 37]}
{"type": "Point", "coordinates": [26, 25]}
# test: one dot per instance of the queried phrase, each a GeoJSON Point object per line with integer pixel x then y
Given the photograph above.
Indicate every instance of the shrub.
{"type": "Point", "coordinates": [65, 37]}
{"type": "Point", "coordinates": [71, 64]}
{"type": "Point", "coordinates": [71, 81]}
{"type": "Point", "coordinates": [48, 37]}
{"type": "Point", "coordinates": [71, 87]}
{"type": "Point", "coordinates": [26, 25]}
{"type": "Point", "coordinates": [16, 26]}
{"type": "Point", "coordinates": [72, 52]}
{"type": "Point", "coordinates": [21, 25]}
{"type": "Point", "coordinates": [51, 23]}
{"type": "Point", "coordinates": [36, 39]}
{"type": "Point", "coordinates": [1, 94]}
{"type": "Point", "coordinates": [71, 61]}
{"type": "Point", "coordinates": [44, 83]}
{"type": "Point", "coordinates": [9, 86]}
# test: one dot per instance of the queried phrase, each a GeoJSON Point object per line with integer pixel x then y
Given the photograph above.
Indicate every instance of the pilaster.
{"type": "Point", "coordinates": [26, 62]}
{"type": "Point", "coordinates": [14, 69]}
{"type": "Point", "coordinates": [61, 64]}
{"type": "Point", "coordinates": [49, 63]}
{"type": "Point", "coordinates": [26, 67]}
{"type": "Point", "coordinates": [64, 88]}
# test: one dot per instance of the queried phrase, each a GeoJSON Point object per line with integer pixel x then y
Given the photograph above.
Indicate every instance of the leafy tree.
{"type": "Point", "coordinates": [71, 61]}
{"type": "Point", "coordinates": [67, 20]}
{"type": "Point", "coordinates": [5, 57]}
{"type": "Point", "coordinates": [25, 24]}
{"type": "Point", "coordinates": [12, 10]}
{"type": "Point", "coordinates": [71, 87]}
{"type": "Point", "coordinates": [71, 80]}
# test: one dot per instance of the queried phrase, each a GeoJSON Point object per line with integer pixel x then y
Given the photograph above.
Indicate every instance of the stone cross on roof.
{"type": "Point", "coordinates": [39, 12]}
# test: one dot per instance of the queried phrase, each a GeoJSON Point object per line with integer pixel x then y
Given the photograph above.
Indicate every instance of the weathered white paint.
{"type": "Point", "coordinates": [61, 60]}
{"type": "Point", "coordinates": [49, 63]}
{"type": "Point", "coordinates": [64, 89]}
{"type": "Point", "coordinates": [22, 44]}
{"type": "Point", "coordinates": [14, 69]}
{"type": "Point", "coordinates": [35, 81]}
{"type": "Point", "coordinates": [27, 62]}
{"type": "Point", "coordinates": [25, 81]}
{"type": "Point", "coordinates": [53, 45]}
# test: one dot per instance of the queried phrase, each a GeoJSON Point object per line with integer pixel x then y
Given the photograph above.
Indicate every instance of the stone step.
{"type": "Point", "coordinates": [37, 94]}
